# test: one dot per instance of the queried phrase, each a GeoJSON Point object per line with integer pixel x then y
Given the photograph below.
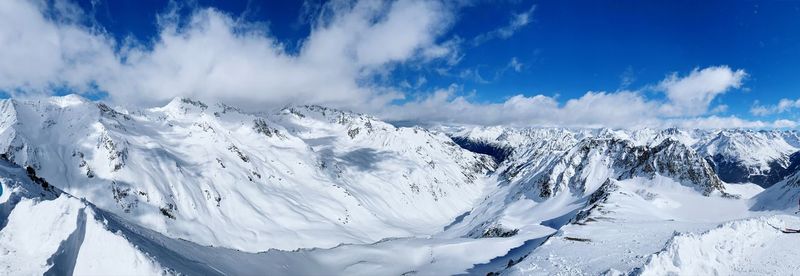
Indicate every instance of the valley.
{"type": "Point", "coordinates": [206, 188]}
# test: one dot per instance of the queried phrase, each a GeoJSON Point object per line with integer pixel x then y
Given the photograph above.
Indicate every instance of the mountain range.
{"type": "Point", "coordinates": [207, 188]}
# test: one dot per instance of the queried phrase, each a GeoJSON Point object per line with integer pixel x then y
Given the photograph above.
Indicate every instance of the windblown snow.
{"type": "Point", "coordinates": [207, 189]}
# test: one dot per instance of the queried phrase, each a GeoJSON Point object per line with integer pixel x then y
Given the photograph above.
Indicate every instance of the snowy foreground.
{"type": "Point", "coordinates": [206, 189]}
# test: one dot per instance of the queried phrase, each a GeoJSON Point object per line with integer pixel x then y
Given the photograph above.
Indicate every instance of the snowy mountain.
{"type": "Point", "coordinates": [564, 173]}
{"type": "Point", "coordinates": [208, 189]}
{"type": "Point", "coordinates": [48, 231]}
{"type": "Point", "coordinates": [591, 161]}
{"type": "Point", "coordinates": [616, 196]}
{"type": "Point", "coordinates": [761, 157]}
{"type": "Point", "coordinates": [217, 176]}
{"type": "Point", "coordinates": [737, 155]}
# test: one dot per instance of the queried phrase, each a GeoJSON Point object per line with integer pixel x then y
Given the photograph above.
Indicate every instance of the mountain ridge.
{"type": "Point", "coordinates": [138, 164]}
{"type": "Point", "coordinates": [191, 187]}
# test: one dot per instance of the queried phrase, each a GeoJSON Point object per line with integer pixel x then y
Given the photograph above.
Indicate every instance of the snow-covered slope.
{"type": "Point", "coordinates": [623, 222]}
{"type": "Point", "coordinates": [615, 196]}
{"type": "Point", "coordinates": [747, 247]}
{"type": "Point", "coordinates": [551, 190]}
{"type": "Point", "coordinates": [207, 189]}
{"type": "Point", "coordinates": [784, 195]}
{"type": "Point", "coordinates": [73, 236]}
{"type": "Point", "coordinates": [761, 157]}
{"type": "Point", "coordinates": [62, 236]}
{"type": "Point", "coordinates": [45, 231]}
{"type": "Point", "coordinates": [305, 177]}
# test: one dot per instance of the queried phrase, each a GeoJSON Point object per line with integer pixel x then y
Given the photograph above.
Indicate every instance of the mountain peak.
{"type": "Point", "coordinates": [69, 100]}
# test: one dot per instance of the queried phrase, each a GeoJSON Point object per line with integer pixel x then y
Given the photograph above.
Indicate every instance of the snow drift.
{"type": "Point", "coordinates": [734, 248]}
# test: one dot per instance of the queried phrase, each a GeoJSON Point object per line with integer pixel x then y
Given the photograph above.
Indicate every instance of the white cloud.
{"type": "Point", "coordinates": [515, 64]}
{"type": "Point", "coordinates": [729, 122]}
{"type": "Point", "coordinates": [622, 109]}
{"type": "Point", "coordinates": [214, 56]}
{"type": "Point", "coordinates": [516, 22]}
{"type": "Point", "coordinates": [784, 105]}
{"type": "Point", "coordinates": [720, 109]}
{"type": "Point", "coordinates": [594, 109]}
{"type": "Point", "coordinates": [784, 123]}
{"type": "Point", "coordinates": [691, 95]}
{"type": "Point", "coordinates": [787, 104]}
{"type": "Point", "coordinates": [37, 54]}
{"type": "Point", "coordinates": [217, 57]}
{"type": "Point", "coordinates": [760, 110]}
{"type": "Point", "coordinates": [473, 74]}
{"type": "Point", "coordinates": [421, 80]}
{"type": "Point", "coordinates": [627, 78]}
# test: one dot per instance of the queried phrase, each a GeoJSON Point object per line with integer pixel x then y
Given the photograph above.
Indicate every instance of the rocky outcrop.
{"type": "Point", "coordinates": [595, 159]}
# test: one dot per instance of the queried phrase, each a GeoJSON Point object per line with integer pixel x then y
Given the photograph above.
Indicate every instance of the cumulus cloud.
{"type": "Point", "coordinates": [214, 56]}
{"type": "Point", "coordinates": [37, 53]}
{"type": "Point", "coordinates": [787, 104]}
{"type": "Point", "coordinates": [516, 22]}
{"type": "Point", "coordinates": [715, 122]}
{"type": "Point", "coordinates": [210, 58]}
{"type": "Point", "coordinates": [691, 95]}
{"type": "Point", "coordinates": [620, 109]}
{"type": "Point", "coordinates": [593, 109]}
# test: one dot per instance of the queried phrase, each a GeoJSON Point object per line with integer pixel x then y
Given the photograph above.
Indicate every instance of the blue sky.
{"type": "Point", "coordinates": [481, 62]}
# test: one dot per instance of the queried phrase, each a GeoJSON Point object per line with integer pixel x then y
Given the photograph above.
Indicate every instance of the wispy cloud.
{"type": "Point", "coordinates": [784, 105]}
{"type": "Point", "coordinates": [515, 65]}
{"type": "Point", "coordinates": [473, 74]}
{"type": "Point", "coordinates": [516, 22]}
{"type": "Point", "coordinates": [627, 78]}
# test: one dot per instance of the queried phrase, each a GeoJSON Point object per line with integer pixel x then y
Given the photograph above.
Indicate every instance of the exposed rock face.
{"type": "Point", "coordinates": [499, 152]}
{"type": "Point", "coordinates": [593, 160]}
{"type": "Point", "coordinates": [499, 231]}
{"type": "Point", "coordinates": [580, 168]}
{"type": "Point", "coordinates": [596, 198]}
{"type": "Point", "coordinates": [734, 171]}
{"type": "Point", "coordinates": [735, 155]}
{"type": "Point", "coordinates": [676, 160]}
